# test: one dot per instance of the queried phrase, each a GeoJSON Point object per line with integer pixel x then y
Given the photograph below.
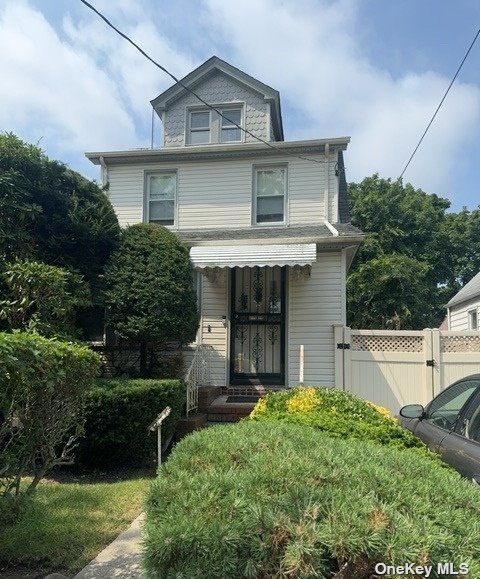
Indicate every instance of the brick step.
{"type": "Point", "coordinates": [221, 411]}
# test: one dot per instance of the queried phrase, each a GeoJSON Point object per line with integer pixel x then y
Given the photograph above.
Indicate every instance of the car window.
{"type": "Point", "coordinates": [473, 427]}
{"type": "Point", "coordinates": [443, 411]}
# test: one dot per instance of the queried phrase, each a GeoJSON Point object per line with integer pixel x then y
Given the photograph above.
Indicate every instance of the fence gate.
{"type": "Point", "coordinates": [394, 368]}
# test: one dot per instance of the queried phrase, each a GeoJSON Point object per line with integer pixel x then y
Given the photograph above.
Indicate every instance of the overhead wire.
{"type": "Point", "coordinates": [441, 103]}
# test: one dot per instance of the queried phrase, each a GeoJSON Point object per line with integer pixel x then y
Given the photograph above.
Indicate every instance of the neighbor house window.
{"type": "Point", "coordinates": [207, 126]}
{"type": "Point", "coordinates": [199, 127]}
{"type": "Point", "coordinates": [230, 132]}
{"type": "Point", "coordinates": [270, 192]}
{"type": "Point", "coordinates": [162, 192]}
{"type": "Point", "coordinates": [473, 320]}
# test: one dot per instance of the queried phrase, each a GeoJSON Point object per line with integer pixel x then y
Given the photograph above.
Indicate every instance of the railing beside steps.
{"type": "Point", "coordinates": [197, 374]}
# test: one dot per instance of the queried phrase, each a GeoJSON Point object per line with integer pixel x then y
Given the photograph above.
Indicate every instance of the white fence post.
{"type": "Point", "coordinates": [437, 369]}
{"type": "Point", "coordinates": [302, 364]}
{"type": "Point", "coordinates": [347, 359]}
{"type": "Point", "coordinates": [428, 361]}
{"type": "Point", "coordinates": [338, 339]}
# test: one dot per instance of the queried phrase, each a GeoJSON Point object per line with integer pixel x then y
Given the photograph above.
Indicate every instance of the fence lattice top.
{"type": "Point", "coordinates": [460, 343]}
{"type": "Point", "coordinates": [387, 343]}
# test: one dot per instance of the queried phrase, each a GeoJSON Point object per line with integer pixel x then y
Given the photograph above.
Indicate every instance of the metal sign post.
{"type": "Point", "coordinates": [157, 425]}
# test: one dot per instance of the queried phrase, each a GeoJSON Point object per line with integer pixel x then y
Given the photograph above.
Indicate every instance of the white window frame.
{"type": "Point", "coordinates": [470, 313]}
{"type": "Point", "coordinates": [256, 169]}
{"type": "Point", "coordinates": [199, 129]}
{"type": "Point", "coordinates": [224, 111]}
{"type": "Point", "coordinates": [148, 177]}
{"type": "Point", "coordinates": [215, 126]}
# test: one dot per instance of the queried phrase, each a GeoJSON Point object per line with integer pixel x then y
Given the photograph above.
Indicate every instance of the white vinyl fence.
{"type": "Point", "coordinates": [394, 368]}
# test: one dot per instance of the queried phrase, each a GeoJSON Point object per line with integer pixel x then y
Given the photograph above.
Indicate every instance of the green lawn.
{"type": "Point", "coordinates": [68, 524]}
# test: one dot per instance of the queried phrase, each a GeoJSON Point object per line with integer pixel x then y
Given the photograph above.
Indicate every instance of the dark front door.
{"type": "Point", "coordinates": [257, 338]}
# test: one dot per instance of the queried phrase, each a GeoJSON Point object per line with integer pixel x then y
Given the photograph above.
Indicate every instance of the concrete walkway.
{"type": "Point", "coordinates": [120, 559]}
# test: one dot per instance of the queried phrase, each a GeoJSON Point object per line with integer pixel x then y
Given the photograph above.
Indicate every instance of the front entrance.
{"type": "Point", "coordinates": [257, 351]}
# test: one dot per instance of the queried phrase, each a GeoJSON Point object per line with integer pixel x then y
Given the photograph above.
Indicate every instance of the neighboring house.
{"type": "Point", "coordinates": [268, 224]}
{"type": "Point", "coordinates": [463, 310]}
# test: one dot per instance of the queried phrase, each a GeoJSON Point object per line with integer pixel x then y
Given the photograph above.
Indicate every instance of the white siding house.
{"type": "Point", "coordinates": [266, 220]}
{"type": "Point", "coordinates": [464, 308]}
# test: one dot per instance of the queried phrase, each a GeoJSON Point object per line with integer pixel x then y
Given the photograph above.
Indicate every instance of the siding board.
{"type": "Point", "coordinates": [314, 305]}
{"type": "Point", "coordinates": [218, 194]}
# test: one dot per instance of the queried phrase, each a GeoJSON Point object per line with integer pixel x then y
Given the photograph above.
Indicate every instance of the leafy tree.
{"type": "Point", "coordinates": [389, 291]}
{"type": "Point", "coordinates": [149, 290]}
{"type": "Point", "coordinates": [400, 277]}
{"type": "Point", "coordinates": [462, 234]}
{"type": "Point", "coordinates": [51, 213]}
{"type": "Point", "coordinates": [42, 298]}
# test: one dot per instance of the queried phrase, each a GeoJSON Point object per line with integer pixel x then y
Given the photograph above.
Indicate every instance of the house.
{"type": "Point", "coordinates": [463, 310]}
{"type": "Point", "coordinates": [267, 222]}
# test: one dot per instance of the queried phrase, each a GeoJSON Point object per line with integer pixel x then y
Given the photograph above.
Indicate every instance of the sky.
{"type": "Point", "coordinates": [374, 70]}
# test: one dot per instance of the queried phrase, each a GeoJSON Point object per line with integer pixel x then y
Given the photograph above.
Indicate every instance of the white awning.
{"type": "Point", "coordinates": [253, 255]}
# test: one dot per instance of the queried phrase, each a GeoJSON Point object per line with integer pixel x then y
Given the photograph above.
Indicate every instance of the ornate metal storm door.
{"type": "Point", "coordinates": [258, 326]}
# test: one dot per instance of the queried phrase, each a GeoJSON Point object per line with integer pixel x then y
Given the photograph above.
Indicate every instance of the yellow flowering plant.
{"type": "Point", "coordinates": [338, 413]}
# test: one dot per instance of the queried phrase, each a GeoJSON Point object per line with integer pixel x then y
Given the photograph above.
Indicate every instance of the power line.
{"type": "Point", "coordinates": [441, 102]}
{"type": "Point", "coordinates": [173, 77]}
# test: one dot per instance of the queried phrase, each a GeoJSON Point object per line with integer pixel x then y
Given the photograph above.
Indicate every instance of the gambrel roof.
{"type": "Point", "coordinates": [213, 66]}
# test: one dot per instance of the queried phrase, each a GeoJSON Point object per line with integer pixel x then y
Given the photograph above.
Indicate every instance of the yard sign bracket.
{"type": "Point", "coordinates": [157, 425]}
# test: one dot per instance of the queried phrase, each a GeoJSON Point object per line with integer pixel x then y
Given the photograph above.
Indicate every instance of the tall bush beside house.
{"type": "Point", "coordinates": [149, 290]}
{"type": "Point", "coordinates": [52, 214]}
{"type": "Point", "coordinates": [118, 413]}
{"type": "Point", "coordinates": [42, 382]}
{"type": "Point", "coordinates": [42, 298]}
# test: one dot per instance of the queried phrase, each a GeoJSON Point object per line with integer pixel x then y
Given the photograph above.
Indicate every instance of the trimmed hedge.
{"type": "Point", "coordinates": [118, 413]}
{"type": "Point", "coordinates": [282, 500]}
{"type": "Point", "coordinates": [337, 413]}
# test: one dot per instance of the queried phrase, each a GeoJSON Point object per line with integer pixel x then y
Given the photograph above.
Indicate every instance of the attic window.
{"type": "Point", "coordinates": [230, 132]}
{"type": "Point", "coordinates": [199, 127]}
{"type": "Point", "coordinates": [221, 125]}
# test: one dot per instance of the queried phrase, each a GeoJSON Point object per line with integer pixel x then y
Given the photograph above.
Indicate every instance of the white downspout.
{"type": "Point", "coordinates": [332, 229]}
{"type": "Point", "coordinates": [327, 182]}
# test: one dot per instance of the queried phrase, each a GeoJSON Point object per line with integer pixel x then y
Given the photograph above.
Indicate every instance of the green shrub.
{"type": "Point", "coordinates": [118, 413]}
{"type": "Point", "coordinates": [282, 500]}
{"type": "Point", "coordinates": [338, 413]}
{"type": "Point", "coordinates": [42, 382]}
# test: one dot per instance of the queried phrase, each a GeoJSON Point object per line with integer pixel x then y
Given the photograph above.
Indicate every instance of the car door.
{"type": "Point", "coordinates": [443, 412]}
{"type": "Point", "coordinates": [461, 447]}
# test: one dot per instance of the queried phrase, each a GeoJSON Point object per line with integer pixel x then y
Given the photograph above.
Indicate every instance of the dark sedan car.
{"type": "Point", "coordinates": [450, 425]}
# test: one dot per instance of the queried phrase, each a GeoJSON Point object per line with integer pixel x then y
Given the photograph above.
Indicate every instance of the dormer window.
{"type": "Point", "coordinates": [207, 126]}
{"type": "Point", "coordinates": [230, 132]}
{"type": "Point", "coordinates": [199, 127]}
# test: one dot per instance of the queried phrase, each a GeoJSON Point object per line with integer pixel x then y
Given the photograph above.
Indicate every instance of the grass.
{"type": "Point", "coordinates": [68, 524]}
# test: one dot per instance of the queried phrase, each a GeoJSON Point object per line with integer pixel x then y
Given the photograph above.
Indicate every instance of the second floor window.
{"type": "Point", "coordinates": [270, 191]}
{"type": "Point", "coordinates": [162, 192]}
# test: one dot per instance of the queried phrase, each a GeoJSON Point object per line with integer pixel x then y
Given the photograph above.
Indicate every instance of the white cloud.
{"type": "Point", "coordinates": [311, 51]}
{"type": "Point", "coordinates": [52, 91]}
{"type": "Point", "coordinates": [81, 87]}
